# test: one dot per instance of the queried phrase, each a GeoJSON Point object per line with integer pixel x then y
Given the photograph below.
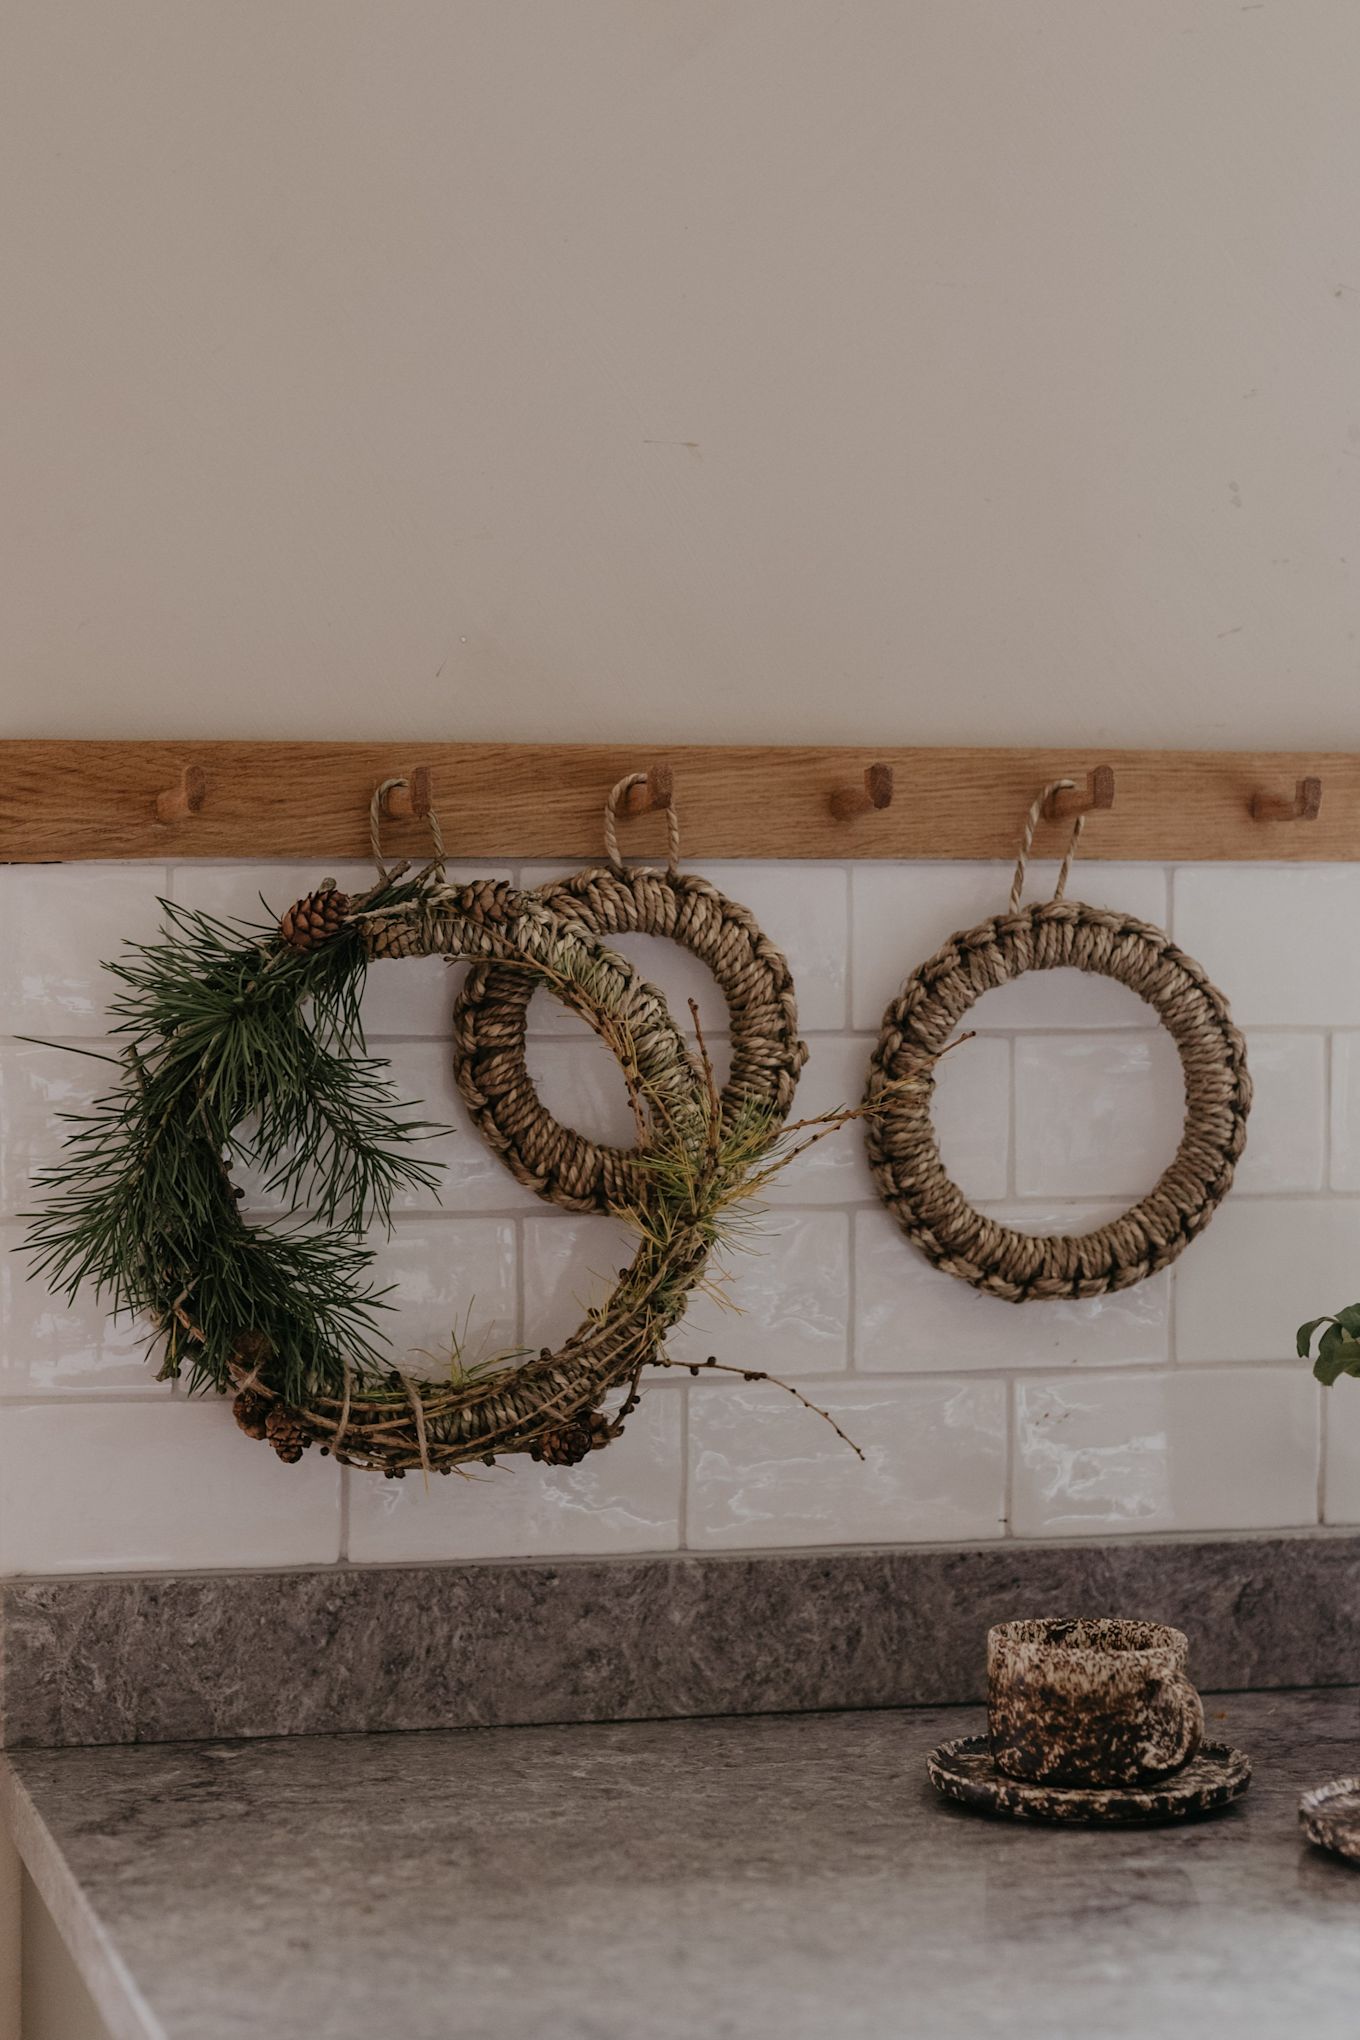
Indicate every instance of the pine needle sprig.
{"type": "Point", "coordinates": [236, 1051]}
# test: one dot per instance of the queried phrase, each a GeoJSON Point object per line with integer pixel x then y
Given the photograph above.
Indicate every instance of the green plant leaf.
{"type": "Point", "coordinates": [1305, 1338]}
{"type": "Point", "coordinates": [1338, 1353]}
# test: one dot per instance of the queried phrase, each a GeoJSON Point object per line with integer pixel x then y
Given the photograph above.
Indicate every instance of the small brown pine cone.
{"type": "Point", "coordinates": [316, 919]}
{"type": "Point", "coordinates": [251, 1411]}
{"type": "Point", "coordinates": [288, 1437]}
{"type": "Point", "coordinates": [565, 1446]}
{"type": "Point", "coordinates": [569, 1443]}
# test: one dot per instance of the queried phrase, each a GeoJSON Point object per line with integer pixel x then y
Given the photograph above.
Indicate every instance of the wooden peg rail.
{"type": "Point", "coordinates": [172, 801]}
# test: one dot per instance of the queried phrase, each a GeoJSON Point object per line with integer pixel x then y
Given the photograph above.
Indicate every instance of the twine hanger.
{"type": "Point", "coordinates": [375, 822]}
{"type": "Point", "coordinates": [618, 793]}
{"type": "Point", "coordinates": [1027, 842]}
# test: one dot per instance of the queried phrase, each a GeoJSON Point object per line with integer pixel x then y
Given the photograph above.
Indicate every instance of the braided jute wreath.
{"type": "Point", "coordinates": [903, 1151]}
{"type": "Point", "coordinates": [226, 1029]}
{"type": "Point", "coordinates": [491, 1016]}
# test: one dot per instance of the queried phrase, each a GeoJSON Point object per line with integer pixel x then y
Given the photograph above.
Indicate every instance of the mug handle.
{"type": "Point", "coordinates": [1184, 1726]}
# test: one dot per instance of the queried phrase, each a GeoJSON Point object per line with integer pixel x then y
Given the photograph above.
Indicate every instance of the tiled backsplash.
{"type": "Point", "coordinates": [1175, 1406]}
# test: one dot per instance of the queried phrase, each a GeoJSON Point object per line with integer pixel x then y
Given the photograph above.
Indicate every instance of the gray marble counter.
{"type": "Point", "coordinates": [772, 1878]}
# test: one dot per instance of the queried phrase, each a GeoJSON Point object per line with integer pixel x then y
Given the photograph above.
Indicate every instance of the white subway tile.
{"type": "Point", "coordinates": [803, 908]}
{"type": "Point", "coordinates": [763, 1470]}
{"type": "Point", "coordinates": [1095, 1115]}
{"type": "Point", "coordinates": [624, 1498]}
{"type": "Point", "coordinates": [411, 995]}
{"type": "Point", "coordinates": [1286, 1129]}
{"type": "Point", "coordinates": [903, 913]}
{"type": "Point", "coordinates": [785, 1299]}
{"type": "Point", "coordinates": [1051, 1000]}
{"type": "Point", "coordinates": [470, 1176]}
{"type": "Point", "coordinates": [1345, 1173]}
{"type": "Point", "coordinates": [39, 1085]}
{"type": "Point", "coordinates": [971, 1110]}
{"type": "Point", "coordinates": [581, 1083]}
{"type": "Point", "coordinates": [571, 1262]}
{"type": "Point", "coordinates": [789, 1296]}
{"type": "Point", "coordinates": [447, 1278]}
{"type": "Point", "coordinates": [1269, 939]}
{"type": "Point", "coordinates": [835, 1170]}
{"type": "Point", "coordinates": [805, 911]}
{"type": "Point", "coordinates": [258, 894]}
{"type": "Point", "coordinates": [152, 1486]}
{"type": "Point", "coordinates": [912, 1318]}
{"type": "Point", "coordinates": [1263, 1266]}
{"type": "Point", "coordinates": [1107, 1454]}
{"type": "Point", "coordinates": [61, 923]}
{"type": "Point", "coordinates": [1135, 1446]}
{"type": "Point", "coordinates": [1341, 1452]}
{"type": "Point", "coordinates": [49, 1346]}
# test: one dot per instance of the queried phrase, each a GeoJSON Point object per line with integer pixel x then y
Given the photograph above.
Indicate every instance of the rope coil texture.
{"type": "Point", "coordinates": [548, 1405]}
{"type": "Point", "coordinates": [490, 1020]}
{"type": "Point", "coordinates": [904, 1154]}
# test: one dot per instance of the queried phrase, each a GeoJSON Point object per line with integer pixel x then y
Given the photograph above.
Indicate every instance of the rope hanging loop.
{"type": "Point", "coordinates": [379, 809]}
{"type": "Point", "coordinates": [1032, 820]}
{"type": "Point", "coordinates": [658, 783]}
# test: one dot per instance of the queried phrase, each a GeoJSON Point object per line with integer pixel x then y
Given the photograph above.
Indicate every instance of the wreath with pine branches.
{"type": "Point", "coordinates": [239, 1045]}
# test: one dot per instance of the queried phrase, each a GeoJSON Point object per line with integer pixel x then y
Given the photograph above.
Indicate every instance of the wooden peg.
{"type": "Point", "coordinates": [1070, 801]}
{"type": "Point", "coordinates": [409, 801]}
{"type": "Point", "coordinates": [845, 802]}
{"type": "Point", "coordinates": [656, 791]}
{"type": "Point", "coordinates": [185, 797]}
{"type": "Point", "coordinates": [1276, 807]}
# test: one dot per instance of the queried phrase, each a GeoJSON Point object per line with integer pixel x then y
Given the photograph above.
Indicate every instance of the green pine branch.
{"type": "Point", "coordinates": [235, 1050]}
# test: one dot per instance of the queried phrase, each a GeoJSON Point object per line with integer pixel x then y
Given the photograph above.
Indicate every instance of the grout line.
{"type": "Point", "coordinates": [857, 1036]}
{"type": "Point", "coordinates": [1011, 1123]}
{"type": "Point", "coordinates": [521, 1248]}
{"type": "Point", "coordinates": [852, 1366]}
{"type": "Point", "coordinates": [1019, 1206]}
{"type": "Point", "coordinates": [343, 1558]}
{"type": "Point", "coordinates": [1322, 1426]}
{"type": "Point", "coordinates": [1012, 1431]}
{"type": "Point", "coordinates": [682, 1506]}
{"type": "Point", "coordinates": [1328, 1094]}
{"type": "Point", "coordinates": [828, 1380]}
{"type": "Point", "coordinates": [848, 1003]}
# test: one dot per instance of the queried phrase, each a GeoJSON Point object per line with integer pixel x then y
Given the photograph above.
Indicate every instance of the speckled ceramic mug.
{"type": "Point", "coordinates": [1090, 1702]}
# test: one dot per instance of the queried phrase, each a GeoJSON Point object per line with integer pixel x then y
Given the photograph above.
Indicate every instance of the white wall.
{"type": "Point", "coordinates": [1175, 1406]}
{"type": "Point", "coordinates": [900, 370]}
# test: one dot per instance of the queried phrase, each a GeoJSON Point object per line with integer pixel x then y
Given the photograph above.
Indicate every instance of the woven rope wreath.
{"type": "Point", "coordinates": [221, 1026]}
{"type": "Point", "coordinates": [491, 1017]}
{"type": "Point", "coordinates": [904, 1153]}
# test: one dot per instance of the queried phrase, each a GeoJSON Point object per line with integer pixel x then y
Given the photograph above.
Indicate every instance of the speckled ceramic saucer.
{"type": "Point", "coordinates": [1330, 1817]}
{"type": "Point", "coordinates": [963, 1770]}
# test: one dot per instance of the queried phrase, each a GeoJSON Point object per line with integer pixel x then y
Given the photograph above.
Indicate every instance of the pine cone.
{"type": "Point", "coordinates": [251, 1411]}
{"type": "Point", "coordinates": [288, 1437]}
{"type": "Point", "coordinates": [316, 919]}
{"type": "Point", "coordinates": [569, 1443]}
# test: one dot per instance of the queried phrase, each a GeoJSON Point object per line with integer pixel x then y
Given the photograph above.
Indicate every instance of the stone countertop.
{"type": "Point", "coordinates": [787, 1877]}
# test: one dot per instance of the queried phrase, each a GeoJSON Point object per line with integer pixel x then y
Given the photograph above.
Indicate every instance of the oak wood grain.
{"type": "Point", "coordinates": [68, 801]}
